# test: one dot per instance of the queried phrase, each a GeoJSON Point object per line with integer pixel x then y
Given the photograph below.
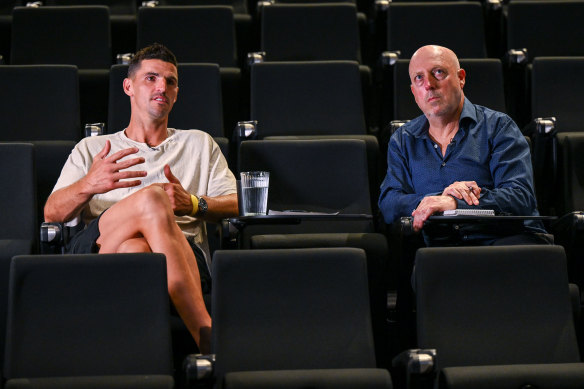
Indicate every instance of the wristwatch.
{"type": "Point", "coordinates": [202, 207]}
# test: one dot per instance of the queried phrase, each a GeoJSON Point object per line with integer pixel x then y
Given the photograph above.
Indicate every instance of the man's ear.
{"type": "Point", "coordinates": [127, 84]}
{"type": "Point", "coordinates": [462, 77]}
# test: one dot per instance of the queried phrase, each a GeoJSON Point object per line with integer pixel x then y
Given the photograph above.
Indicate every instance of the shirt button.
{"type": "Point", "coordinates": [443, 164]}
{"type": "Point", "coordinates": [435, 146]}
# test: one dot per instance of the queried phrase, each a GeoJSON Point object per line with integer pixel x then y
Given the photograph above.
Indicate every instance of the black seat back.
{"type": "Point", "coordinates": [441, 22]}
{"type": "Point", "coordinates": [193, 33]}
{"type": "Point", "coordinates": [47, 108]}
{"type": "Point", "coordinates": [307, 98]}
{"type": "Point", "coordinates": [77, 35]}
{"type": "Point", "coordinates": [88, 315]}
{"type": "Point", "coordinates": [290, 310]}
{"type": "Point", "coordinates": [495, 305]}
{"type": "Point", "coordinates": [310, 32]}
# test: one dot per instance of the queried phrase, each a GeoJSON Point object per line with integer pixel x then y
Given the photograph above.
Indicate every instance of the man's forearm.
{"type": "Point", "coordinates": [65, 204]}
{"type": "Point", "coordinates": [395, 204]}
{"type": "Point", "coordinates": [512, 200]}
{"type": "Point", "coordinates": [221, 207]}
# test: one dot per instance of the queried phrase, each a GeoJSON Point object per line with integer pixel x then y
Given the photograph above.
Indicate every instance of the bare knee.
{"type": "Point", "coordinates": [153, 202]}
{"type": "Point", "coordinates": [137, 245]}
{"type": "Point", "coordinates": [153, 194]}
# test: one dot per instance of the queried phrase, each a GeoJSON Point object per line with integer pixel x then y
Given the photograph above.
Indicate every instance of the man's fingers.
{"type": "Point", "coordinates": [105, 151]}
{"type": "Point", "coordinates": [129, 163]}
{"type": "Point", "coordinates": [474, 197]}
{"type": "Point", "coordinates": [122, 153]}
{"type": "Point", "coordinates": [419, 220]}
{"type": "Point", "coordinates": [467, 191]}
{"type": "Point", "coordinates": [420, 216]}
{"type": "Point", "coordinates": [126, 184]}
{"type": "Point", "coordinates": [453, 192]}
{"type": "Point", "coordinates": [169, 176]}
{"type": "Point", "coordinates": [465, 194]}
{"type": "Point", "coordinates": [129, 174]}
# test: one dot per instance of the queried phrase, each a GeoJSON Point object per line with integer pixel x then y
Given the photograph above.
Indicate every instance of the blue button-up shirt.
{"type": "Point", "coordinates": [488, 148]}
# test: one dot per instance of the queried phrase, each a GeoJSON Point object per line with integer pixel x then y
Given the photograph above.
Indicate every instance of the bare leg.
{"type": "Point", "coordinates": [145, 219]}
{"type": "Point", "coordinates": [135, 245]}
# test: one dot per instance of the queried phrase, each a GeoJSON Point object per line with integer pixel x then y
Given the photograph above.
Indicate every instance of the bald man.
{"type": "Point", "coordinates": [457, 155]}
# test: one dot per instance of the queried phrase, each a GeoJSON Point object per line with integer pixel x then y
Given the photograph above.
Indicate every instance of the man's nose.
{"type": "Point", "coordinates": [161, 84]}
{"type": "Point", "coordinates": [429, 83]}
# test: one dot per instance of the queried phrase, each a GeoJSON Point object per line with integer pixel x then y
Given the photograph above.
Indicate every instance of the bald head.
{"type": "Point", "coordinates": [437, 82]}
{"type": "Point", "coordinates": [444, 54]}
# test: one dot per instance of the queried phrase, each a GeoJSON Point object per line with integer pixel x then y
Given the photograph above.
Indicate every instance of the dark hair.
{"type": "Point", "coordinates": [154, 51]}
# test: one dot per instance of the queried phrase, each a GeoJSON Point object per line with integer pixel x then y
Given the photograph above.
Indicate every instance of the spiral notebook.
{"type": "Point", "coordinates": [469, 212]}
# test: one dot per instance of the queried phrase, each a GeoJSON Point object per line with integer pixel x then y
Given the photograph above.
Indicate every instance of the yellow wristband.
{"type": "Point", "coordinates": [195, 202]}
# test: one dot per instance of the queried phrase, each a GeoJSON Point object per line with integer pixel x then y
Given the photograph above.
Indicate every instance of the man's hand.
{"type": "Point", "coordinates": [468, 191]}
{"type": "Point", "coordinates": [430, 205]}
{"type": "Point", "coordinates": [178, 196]}
{"type": "Point", "coordinates": [106, 172]}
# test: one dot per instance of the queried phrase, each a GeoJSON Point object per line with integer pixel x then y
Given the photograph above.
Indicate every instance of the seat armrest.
{"type": "Point", "coordinates": [245, 130]}
{"type": "Point", "coordinates": [54, 236]}
{"type": "Point", "coordinates": [517, 57]}
{"type": "Point", "coordinates": [405, 225]}
{"type": "Point", "coordinates": [569, 223]}
{"type": "Point", "coordinates": [124, 58]}
{"type": "Point", "coordinates": [198, 370]}
{"type": "Point", "coordinates": [389, 58]}
{"type": "Point", "coordinates": [418, 366]}
{"type": "Point", "coordinates": [256, 56]}
{"type": "Point", "coordinates": [94, 129]}
{"type": "Point", "coordinates": [541, 127]}
{"type": "Point", "coordinates": [494, 5]}
{"type": "Point", "coordinates": [228, 235]}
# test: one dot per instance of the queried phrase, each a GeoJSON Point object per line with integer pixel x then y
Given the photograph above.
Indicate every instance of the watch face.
{"type": "Point", "coordinates": [202, 206]}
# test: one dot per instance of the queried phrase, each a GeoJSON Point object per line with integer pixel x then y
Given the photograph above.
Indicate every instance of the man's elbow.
{"type": "Point", "coordinates": [389, 214]}
{"type": "Point", "coordinates": [51, 216]}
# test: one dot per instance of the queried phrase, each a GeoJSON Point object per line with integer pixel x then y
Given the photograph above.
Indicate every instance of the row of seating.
{"type": "Point", "coordinates": [341, 180]}
{"type": "Point", "coordinates": [300, 99]}
{"type": "Point", "coordinates": [322, 25]}
{"type": "Point", "coordinates": [486, 317]}
{"type": "Point", "coordinates": [284, 195]}
{"type": "Point", "coordinates": [293, 32]}
{"type": "Point", "coordinates": [130, 7]}
{"type": "Point", "coordinates": [262, 240]}
{"type": "Point", "coordinates": [315, 98]}
{"type": "Point", "coordinates": [291, 161]}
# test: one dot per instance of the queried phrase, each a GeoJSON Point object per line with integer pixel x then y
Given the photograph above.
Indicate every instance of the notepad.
{"type": "Point", "coordinates": [296, 212]}
{"type": "Point", "coordinates": [469, 212]}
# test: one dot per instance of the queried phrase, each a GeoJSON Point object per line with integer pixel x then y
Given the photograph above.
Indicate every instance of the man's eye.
{"type": "Point", "coordinates": [439, 73]}
{"type": "Point", "coordinates": [150, 78]}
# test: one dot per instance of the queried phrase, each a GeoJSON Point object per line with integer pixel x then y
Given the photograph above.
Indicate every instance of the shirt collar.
{"type": "Point", "coordinates": [418, 127]}
{"type": "Point", "coordinates": [468, 111]}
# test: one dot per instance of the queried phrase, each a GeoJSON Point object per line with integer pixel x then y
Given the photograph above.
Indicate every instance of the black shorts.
{"type": "Point", "coordinates": [84, 242]}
